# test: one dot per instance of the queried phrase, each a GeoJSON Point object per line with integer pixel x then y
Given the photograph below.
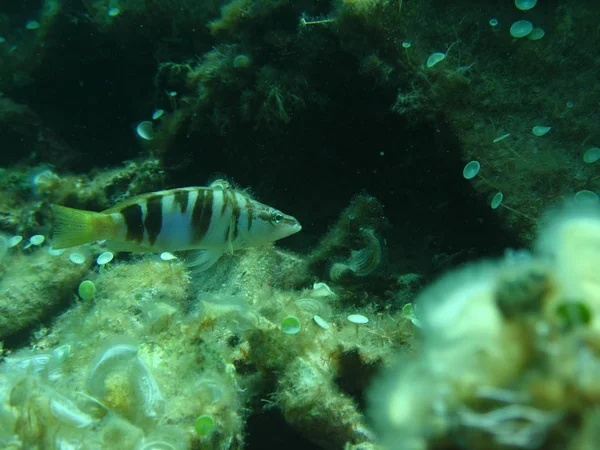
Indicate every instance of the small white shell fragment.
{"type": "Point", "coordinates": [471, 170]}
{"type": "Point", "coordinates": [521, 28]}
{"type": "Point", "coordinates": [33, 363]}
{"type": "Point", "coordinates": [540, 130]}
{"type": "Point", "coordinates": [14, 241]}
{"type": "Point", "coordinates": [77, 258]}
{"type": "Point", "coordinates": [435, 58]}
{"type": "Point", "coordinates": [145, 130]}
{"type": "Point", "coordinates": [32, 25]}
{"type": "Point", "coordinates": [155, 444]}
{"type": "Point", "coordinates": [55, 252]}
{"type": "Point", "coordinates": [358, 319]}
{"type": "Point", "coordinates": [157, 114]}
{"type": "Point", "coordinates": [62, 353]}
{"type": "Point", "coordinates": [146, 390]}
{"type": "Point", "coordinates": [321, 322]}
{"type": "Point", "coordinates": [501, 138]}
{"type": "Point", "coordinates": [104, 258]}
{"type": "Point", "coordinates": [525, 5]}
{"type": "Point", "coordinates": [536, 34]}
{"type": "Point", "coordinates": [37, 239]}
{"type": "Point", "coordinates": [322, 290]}
{"type": "Point", "coordinates": [310, 305]}
{"type": "Point", "coordinates": [591, 155]}
{"type": "Point", "coordinates": [497, 200]}
{"type": "Point", "coordinates": [586, 197]}
{"type": "Point", "coordinates": [167, 256]}
{"type": "Point", "coordinates": [67, 413]}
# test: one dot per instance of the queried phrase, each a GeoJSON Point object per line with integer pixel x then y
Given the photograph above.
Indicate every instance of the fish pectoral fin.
{"type": "Point", "coordinates": [203, 259]}
{"type": "Point", "coordinates": [118, 246]}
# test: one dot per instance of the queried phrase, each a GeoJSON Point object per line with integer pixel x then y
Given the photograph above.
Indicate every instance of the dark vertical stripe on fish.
{"type": "Point", "coordinates": [202, 213]}
{"type": "Point", "coordinates": [226, 236]}
{"type": "Point", "coordinates": [250, 212]}
{"type": "Point", "coordinates": [225, 201]}
{"type": "Point", "coordinates": [181, 200]}
{"type": "Point", "coordinates": [153, 222]}
{"type": "Point", "coordinates": [229, 199]}
{"type": "Point", "coordinates": [133, 220]}
{"type": "Point", "coordinates": [235, 213]}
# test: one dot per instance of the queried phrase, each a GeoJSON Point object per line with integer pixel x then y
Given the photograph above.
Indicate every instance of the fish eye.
{"type": "Point", "coordinates": [276, 218]}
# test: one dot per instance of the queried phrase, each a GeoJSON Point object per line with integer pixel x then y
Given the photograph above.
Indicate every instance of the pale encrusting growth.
{"type": "Point", "coordinates": [508, 353]}
{"type": "Point", "coordinates": [158, 358]}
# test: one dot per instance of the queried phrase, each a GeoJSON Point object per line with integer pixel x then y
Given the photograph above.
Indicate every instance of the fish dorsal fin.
{"type": "Point", "coordinates": [220, 184]}
{"type": "Point", "coordinates": [143, 197]}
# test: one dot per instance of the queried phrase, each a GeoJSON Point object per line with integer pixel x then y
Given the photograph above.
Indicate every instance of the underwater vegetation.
{"type": "Point", "coordinates": [148, 353]}
{"type": "Point", "coordinates": [497, 354]}
{"type": "Point", "coordinates": [507, 350]}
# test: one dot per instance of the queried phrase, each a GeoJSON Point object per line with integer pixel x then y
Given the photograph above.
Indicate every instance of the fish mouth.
{"type": "Point", "coordinates": [297, 226]}
{"type": "Point", "coordinates": [294, 229]}
{"type": "Point", "coordinates": [293, 224]}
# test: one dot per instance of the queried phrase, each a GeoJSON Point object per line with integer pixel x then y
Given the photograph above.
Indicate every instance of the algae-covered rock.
{"type": "Point", "coordinates": [33, 286]}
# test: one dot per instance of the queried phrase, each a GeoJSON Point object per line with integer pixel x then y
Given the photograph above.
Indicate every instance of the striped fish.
{"type": "Point", "coordinates": [214, 219]}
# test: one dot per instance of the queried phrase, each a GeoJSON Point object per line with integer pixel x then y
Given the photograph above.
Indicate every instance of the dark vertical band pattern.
{"type": "Point", "coordinates": [250, 212]}
{"type": "Point", "coordinates": [228, 199]}
{"type": "Point", "coordinates": [225, 193]}
{"type": "Point", "coordinates": [235, 216]}
{"type": "Point", "coordinates": [153, 222]}
{"type": "Point", "coordinates": [202, 214]}
{"type": "Point", "coordinates": [133, 220]}
{"type": "Point", "coordinates": [181, 200]}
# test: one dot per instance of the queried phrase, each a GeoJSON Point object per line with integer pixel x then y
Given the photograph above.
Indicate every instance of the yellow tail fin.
{"type": "Point", "coordinates": [75, 226]}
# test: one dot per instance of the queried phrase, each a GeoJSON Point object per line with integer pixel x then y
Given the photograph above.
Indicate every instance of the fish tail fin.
{"type": "Point", "coordinates": [76, 227]}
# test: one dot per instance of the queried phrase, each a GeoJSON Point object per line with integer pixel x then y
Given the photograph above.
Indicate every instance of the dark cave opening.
{"type": "Point", "coordinates": [91, 91]}
{"type": "Point", "coordinates": [324, 157]}
{"type": "Point", "coordinates": [21, 11]}
{"type": "Point", "coordinates": [268, 430]}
